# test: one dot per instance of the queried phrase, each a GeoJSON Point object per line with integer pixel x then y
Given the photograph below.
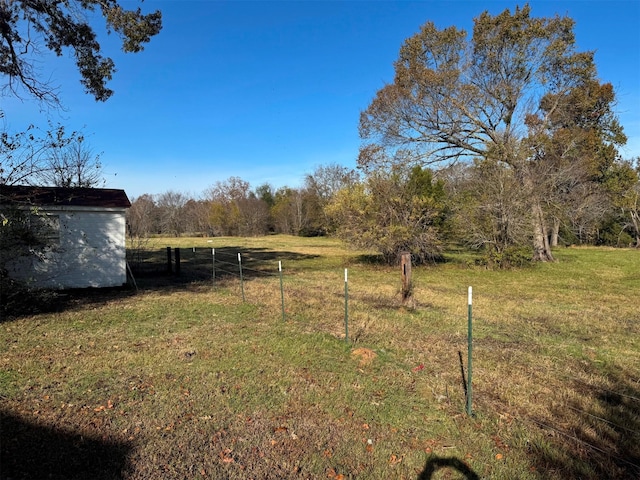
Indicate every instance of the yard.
{"type": "Point", "coordinates": [185, 379]}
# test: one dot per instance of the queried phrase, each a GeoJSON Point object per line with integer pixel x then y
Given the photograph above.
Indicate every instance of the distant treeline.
{"type": "Point", "coordinates": [405, 208]}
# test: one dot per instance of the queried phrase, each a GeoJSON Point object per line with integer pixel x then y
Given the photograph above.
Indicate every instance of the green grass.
{"type": "Point", "coordinates": [184, 380]}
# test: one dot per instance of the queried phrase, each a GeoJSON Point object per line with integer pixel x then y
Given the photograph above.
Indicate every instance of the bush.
{"type": "Point", "coordinates": [510, 257]}
{"type": "Point", "coordinates": [18, 298]}
{"type": "Point", "coordinates": [613, 234]}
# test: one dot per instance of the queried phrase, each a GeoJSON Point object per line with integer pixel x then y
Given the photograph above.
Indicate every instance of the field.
{"type": "Point", "coordinates": [185, 379]}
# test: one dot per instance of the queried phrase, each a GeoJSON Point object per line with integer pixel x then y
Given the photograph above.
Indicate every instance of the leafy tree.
{"type": "Point", "coordinates": [236, 210]}
{"type": "Point", "coordinates": [265, 193]}
{"type": "Point", "coordinates": [289, 211]}
{"type": "Point", "coordinates": [320, 188]}
{"type": "Point", "coordinates": [490, 213]}
{"type": "Point", "coordinates": [455, 98]}
{"type": "Point", "coordinates": [26, 26]}
{"type": "Point", "coordinates": [392, 212]}
{"type": "Point", "coordinates": [575, 138]}
{"type": "Point", "coordinates": [623, 186]}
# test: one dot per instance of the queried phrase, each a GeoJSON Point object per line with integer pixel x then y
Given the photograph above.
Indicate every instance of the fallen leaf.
{"type": "Point", "coordinates": [499, 456]}
{"type": "Point", "coordinates": [225, 455]}
{"type": "Point", "coordinates": [333, 474]}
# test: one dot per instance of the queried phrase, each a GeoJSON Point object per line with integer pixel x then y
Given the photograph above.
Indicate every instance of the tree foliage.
{"type": "Point", "coordinates": [236, 210]}
{"type": "Point", "coordinates": [392, 212]}
{"type": "Point", "coordinates": [457, 98]}
{"type": "Point", "coordinates": [26, 26]}
{"type": "Point", "coordinates": [321, 186]}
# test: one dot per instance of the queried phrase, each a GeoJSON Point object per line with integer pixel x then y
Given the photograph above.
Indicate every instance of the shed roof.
{"type": "Point", "coordinates": [62, 196]}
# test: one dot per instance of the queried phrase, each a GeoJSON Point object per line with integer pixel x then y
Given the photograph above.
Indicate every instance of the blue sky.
{"type": "Point", "coordinates": [268, 91]}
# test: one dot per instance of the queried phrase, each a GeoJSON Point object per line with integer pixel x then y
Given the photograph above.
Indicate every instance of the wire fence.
{"type": "Point", "coordinates": [202, 264]}
{"type": "Point", "coordinates": [232, 265]}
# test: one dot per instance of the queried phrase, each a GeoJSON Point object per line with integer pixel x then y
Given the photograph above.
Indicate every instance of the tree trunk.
{"type": "Point", "coordinates": [555, 233]}
{"type": "Point", "coordinates": [635, 219]}
{"type": "Point", "coordinates": [541, 247]}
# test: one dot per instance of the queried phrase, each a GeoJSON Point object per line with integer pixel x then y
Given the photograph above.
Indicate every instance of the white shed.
{"type": "Point", "coordinates": [87, 232]}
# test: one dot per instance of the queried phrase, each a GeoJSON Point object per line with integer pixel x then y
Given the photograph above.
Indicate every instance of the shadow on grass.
{"type": "Point", "coordinates": [197, 265]}
{"type": "Point", "coordinates": [450, 463]}
{"type": "Point", "coordinates": [151, 272]}
{"type": "Point", "coordinates": [601, 439]}
{"type": "Point", "coordinates": [379, 260]}
{"type": "Point", "coordinates": [31, 451]}
{"type": "Point", "coordinates": [25, 302]}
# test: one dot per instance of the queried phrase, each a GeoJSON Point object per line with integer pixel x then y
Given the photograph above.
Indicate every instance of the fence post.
{"type": "Point", "coordinates": [469, 348]}
{"type": "Point", "coordinates": [241, 279]}
{"type": "Point", "coordinates": [177, 261]}
{"type": "Point", "coordinates": [213, 267]}
{"type": "Point", "coordinates": [169, 266]}
{"type": "Point", "coordinates": [281, 289]}
{"type": "Point", "coordinates": [346, 307]}
{"type": "Point", "coordinates": [405, 261]}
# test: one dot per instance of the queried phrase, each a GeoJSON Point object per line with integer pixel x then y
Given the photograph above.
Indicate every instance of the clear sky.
{"type": "Point", "coordinates": [267, 91]}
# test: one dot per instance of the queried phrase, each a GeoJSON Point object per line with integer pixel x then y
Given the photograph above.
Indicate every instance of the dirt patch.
{"type": "Point", "coordinates": [365, 356]}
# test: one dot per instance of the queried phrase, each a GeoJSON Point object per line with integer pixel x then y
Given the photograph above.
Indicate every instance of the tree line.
{"type": "Point", "coordinates": [233, 208]}
{"type": "Point", "coordinates": [401, 208]}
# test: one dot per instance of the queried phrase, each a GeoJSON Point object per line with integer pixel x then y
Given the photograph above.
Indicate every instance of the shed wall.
{"type": "Point", "coordinates": [90, 252]}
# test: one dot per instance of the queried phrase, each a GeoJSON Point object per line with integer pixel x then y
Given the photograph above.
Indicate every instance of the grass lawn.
{"type": "Point", "coordinates": [184, 379]}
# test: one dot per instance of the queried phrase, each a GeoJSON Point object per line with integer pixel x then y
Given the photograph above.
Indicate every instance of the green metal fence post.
{"type": "Point", "coordinates": [469, 350]}
{"type": "Point", "coordinates": [346, 307]}
{"type": "Point", "coordinates": [241, 278]}
{"type": "Point", "coordinates": [213, 267]}
{"type": "Point", "coordinates": [281, 289]}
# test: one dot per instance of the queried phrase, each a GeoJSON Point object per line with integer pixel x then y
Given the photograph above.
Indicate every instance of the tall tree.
{"type": "Point", "coordinates": [575, 136]}
{"type": "Point", "coordinates": [71, 165]}
{"type": "Point", "coordinates": [392, 212]}
{"type": "Point", "coordinates": [26, 26]}
{"type": "Point", "coordinates": [321, 187]}
{"type": "Point", "coordinates": [142, 217]}
{"type": "Point", "coordinates": [456, 98]}
{"type": "Point", "coordinates": [236, 210]}
{"type": "Point", "coordinates": [171, 216]}
{"type": "Point", "coordinates": [623, 186]}
{"type": "Point", "coordinates": [289, 212]}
